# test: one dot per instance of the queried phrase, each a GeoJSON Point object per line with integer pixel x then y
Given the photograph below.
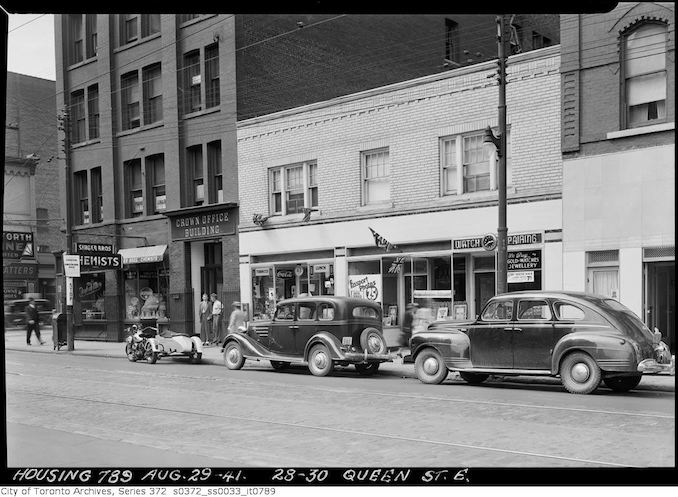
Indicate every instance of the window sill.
{"type": "Point", "coordinates": [146, 127]}
{"type": "Point", "coordinates": [82, 63]}
{"type": "Point", "coordinates": [380, 206]}
{"type": "Point", "coordinates": [475, 196]}
{"type": "Point", "coordinates": [132, 44]}
{"type": "Point", "coordinates": [643, 130]}
{"type": "Point", "coordinates": [198, 113]}
{"type": "Point", "coordinates": [142, 218]}
{"type": "Point", "coordinates": [85, 143]}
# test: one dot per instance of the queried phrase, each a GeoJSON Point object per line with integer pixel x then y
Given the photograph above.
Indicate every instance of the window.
{"type": "Point", "coordinates": [197, 186]}
{"type": "Point", "coordinates": [212, 76]}
{"type": "Point", "coordinates": [498, 311]}
{"type": "Point", "coordinates": [128, 28]}
{"type": "Point", "coordinates": [135, 188]}
{"type": "Point", "coordinates": [376, 177]}
{"type": "Point", "coordinates": [365, 312]}
{"type": "Point", "coordinates": [325, 312]}
{"type": "Point", "coordinates": [152, 88]}
{"type": "Point", "coordinates": [78, 116]}
{"type": "Point", "coordinates": [285, 312]}
{"type": "Point", "coordinates": [129, 84]}
{"type": "Point", "coordinates": [644, 75]}
{"type": "Point", "coordinates": [192, 82]}
{"type": "Point", "coordinates": [93, 111]}
{"type": "Point", "coordinates": [215, 171]}
{"type": "Point", "coordinates": [451, 41]}
{"type": "Point", "coordinates": [307, 311]}
{"type": "Point", "coordinates": [449, 165]}
{"type": "Point", "coordinates": [91, 288]}
{"type": "Point", "coordinates": [186, 17]}
{"type": "Point", "coordinates": [91, 35]}
{"type": "Point", "coordinates": [602, 273]}
{"type": "Point", "coordinates": [97, 196]}
{"type": "Point", "coordinates": [42, 216]}
{"type": "Point", "coordinates": [293, 188]}
{"type": "Point", "coordinates": [150, 24]}
{"type": "Point", "coordinates": [82, 209]}
{"type": "Point", "coordinates": [155, 171]}
{"type": "Point", "coordinates": [534, 309]}
{"type": "Point", "coordinates": [540, 41]}
{"type": "Point", "coordinates": [476, 165]}
{"type": "Point", "coordinates": [76, 42]}
{"type": "Point", "coordinates": [568, 311]}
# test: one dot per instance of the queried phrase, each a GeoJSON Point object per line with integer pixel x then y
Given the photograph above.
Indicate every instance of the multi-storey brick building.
{"type": "Point", "coordinates": [31, 216]}
{"type": "Point", "coordinates": [618, 140]}
{"type": "Point", "coordinates": [404, 165]}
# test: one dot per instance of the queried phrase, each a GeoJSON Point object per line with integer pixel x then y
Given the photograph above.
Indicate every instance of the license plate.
{"type": "Point", "coordinates": [347, 341]}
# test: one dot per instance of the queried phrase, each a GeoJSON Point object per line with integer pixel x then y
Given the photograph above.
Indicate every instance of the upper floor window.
{"type": "Point", "coordinates": [155, 171]}
{"type": "Point", "coordinates": [212, 75]}
{"type": "Point", "coordinates": [75, 38]}
{"type": "Point", "coordinates": [186, 17]}
{"type": "Point", "coordinates": [42, 216]}
{"type": "Point", "coordinates": [129, 96]}
{"type": "Point", "coordinates": [293, 188]}
{"type": "Point", "coordinates": [376, 175]}
{"type": "Point", "coordinates": [192, 82]}
{"type": "Point", "coordinates": [152, 89]}
{"type": "Point", "coordinates": [93, 111]}
{"type": "Point", "coordinates": [196, 180]}
{"type": "Point", "coordinates": [452, 41]}
{"type": "Point", "coordinates": [91, 35]}
{"type": "Point", "coordinates": [540, 41]}
{"type": "Point", "coordinates": [78, 116]}
{"type": "Point", "coordinates": [129, 28]}
{"type": "Point", "coordinates": [215, 170]}
{"type": "Point", "coordinates": [97, 196]}
{"type": "Point", "coordinates": [150, 24]}
{"type": "Point", "coordinates": [133, 113]}
{"type": "Point", "coordinates": [200, 89]}
{"type": "Point", "coordinates": [644, 75]}
{"type": "Point", "coordinates": [81, 197]}
{"type": "Point", "coordinates": [134, 206]}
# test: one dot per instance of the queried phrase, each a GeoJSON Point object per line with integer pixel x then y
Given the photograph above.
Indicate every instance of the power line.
{"type": "Point", "coordinates": [27, 22]}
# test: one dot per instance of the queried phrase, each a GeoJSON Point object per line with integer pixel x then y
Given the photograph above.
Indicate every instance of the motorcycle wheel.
{"type": "Point", "coordinates": [196, 357]}
{"type": "Point", "coordinates": [130, 352]}
{"type": "Point", "coordinates": [151, 356]}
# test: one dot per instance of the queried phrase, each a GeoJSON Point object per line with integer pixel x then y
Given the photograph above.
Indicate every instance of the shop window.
{"type": "Point", "coordinates": [212, 76]}
{"type": "Point", "coordinates": [152, 90]}
{"type": "Point", "coordinates": [93, 111]}
{"type": "Point", "coordinates": [135, 188]}
{"type": "Point", "coordinates": [602, 273]}
{"type": "Point", "coordinates": [192, 82]}
{"type": "Point", "coordinates": [146, 287]}
{"type": "Point", "coordinates": [293, 188]}
{"type": "Point", "coordinates": [196, 193]}
{"type": "Point", "coordinates": [376, 175]}
{"type": "Point", "coordinates": [77, 115]}
{"type": "Point", "coordinates": [155, 172]}
{"type": "Point", "coordinates": [215, 171]}
{"type": "Point", "coordinates": [81, 196]}
{"type": "Point", "coordinates": [129, 97]}
{"type": "Point", "coordinates": [91, 291]}
{"type": "Point", "coordinates": [97, 196]}
{"type": "Point", "coordinates": [644, 75]}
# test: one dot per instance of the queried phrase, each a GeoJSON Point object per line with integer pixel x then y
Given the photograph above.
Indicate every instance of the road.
{"type": "Point", "coordinates": [75, 411]}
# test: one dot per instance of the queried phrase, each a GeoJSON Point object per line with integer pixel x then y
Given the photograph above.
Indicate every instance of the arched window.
{"type": "Point", "coordinates": [644, 75]}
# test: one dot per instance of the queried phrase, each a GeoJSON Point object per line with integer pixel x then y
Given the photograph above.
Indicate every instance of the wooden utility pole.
{"type": "Point", "coordinates": [69, 283]}
{"type": "Point", "coordinates": [502, 286]}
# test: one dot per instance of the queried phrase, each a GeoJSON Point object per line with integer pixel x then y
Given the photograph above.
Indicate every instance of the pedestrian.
{"type": "Point", "coordinates": [205, 313]}
{"type": "Point", "coordinates": [408, 321]}
{"type": "Point", "coordinates": [32, 321]}
{"type": "Point", "coordinates": [237, 319]}
{"type": "Point", "coordinates": [216, 319]}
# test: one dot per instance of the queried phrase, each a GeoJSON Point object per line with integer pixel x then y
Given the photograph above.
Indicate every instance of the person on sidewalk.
{"type": "Point", "coordinates": [237, 321]}
{"type": "Point", "coordinates": [216, 319]}
{"type": "Point", "coordinates": [32, 321]}
{"type": "Point", "coordinates": [408, 322]}
{"type": "Point", "coordinates": [205, 313]}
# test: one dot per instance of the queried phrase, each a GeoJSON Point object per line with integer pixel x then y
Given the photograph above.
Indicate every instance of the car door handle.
{"type": "Point", "coordinates": [518, 329]}
{"type": "Point", "coordinates": [294, 327]}
{"type": "Point", "coordinates": [508, 328]}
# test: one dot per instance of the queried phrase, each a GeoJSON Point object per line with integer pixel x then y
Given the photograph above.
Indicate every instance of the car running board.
{"type": "Point", "coordinates": [531, 372]}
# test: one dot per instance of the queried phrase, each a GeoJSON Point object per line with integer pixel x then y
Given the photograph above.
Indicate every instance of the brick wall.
{"type": "Point", "coordinates": [409, 119]}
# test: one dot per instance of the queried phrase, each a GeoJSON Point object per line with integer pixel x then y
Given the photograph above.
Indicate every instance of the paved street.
{"type": "Point", "coordinates": [97, 409]}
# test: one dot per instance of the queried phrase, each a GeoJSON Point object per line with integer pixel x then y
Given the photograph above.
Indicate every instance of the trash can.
{"type": "Point", "coordinates": [59, 330]}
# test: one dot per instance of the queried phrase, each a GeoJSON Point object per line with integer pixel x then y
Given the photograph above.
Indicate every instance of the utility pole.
{"type": "Point", "coordinates": [502, 286]}
{"type": "Point", "coordinates": [69, 283]}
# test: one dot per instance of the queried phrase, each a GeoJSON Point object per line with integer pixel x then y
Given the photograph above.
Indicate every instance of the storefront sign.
{"type": "Point", "coordinates": [209, 224]}
{"type": "Point", "coordinates": [523, 260]}
{"type": "Point", "coordinates": [366, 286]}
{"type": "Point", "coordinates": [262, 271]}
{"type": "Point", "coordinates": [284, 273]}
{"type": "Point", "coordinates": [524, 239]}
{"type": "Point", "coordinates": [17, 245]}
{"type": "Point", "coordinates": [433, 294]}
{"type": "Point", "coordinates": [95, 262]}
{"type": "Point", "coordinates": [298, 270]}
{"type": "Point", "coordinates": [13, 292]}
{"type": "Point", "coordinates": [489, 241]}
{"type": "Point", "coordinates": [520, 277]}
{"type": "Point", "coordinates": [321, 268]}
{"type": "Point", "coordinates": [94, 248]}
{"type": "Point", "coordinates": [19, 271]}
{"type": "Point", "coordinates": [72, 265]}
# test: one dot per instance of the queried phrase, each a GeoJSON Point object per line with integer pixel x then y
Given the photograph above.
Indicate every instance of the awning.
{"type": "Point", "coordinates": [142, 255]}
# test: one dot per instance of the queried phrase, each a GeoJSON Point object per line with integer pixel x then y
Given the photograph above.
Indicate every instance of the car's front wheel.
{"type": "Point", "coordinates": [367, 369]}
{"type": "Point", "coordinates": [430, 367]}
{"type": "Point", "coordinates": [233, 357]}
{"type": "Point", "coordinates": [579, 373]}
{"type": "Point", "coordinates": [129, 351]}
{"type": "Point", "coordinates": [623, 383]}
{"type": "Point", "coordinates": [473, 378]}
{"type": "Point", "coordinates": [151, 355]}
{"type": "Point", "coordinates": [319, 360]}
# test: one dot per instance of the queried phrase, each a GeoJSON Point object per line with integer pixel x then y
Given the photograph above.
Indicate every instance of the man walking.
{"type": "Point", "coordinates": [237, 319]}
{"type": "Point", "coordinates": [216, 319]}
{"type": "Point", "coordinates": [32, 321]}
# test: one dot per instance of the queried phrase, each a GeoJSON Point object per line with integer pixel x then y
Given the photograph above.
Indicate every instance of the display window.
{"type": "Point", "coordinates": [91, 287]}
{"type": "Point", "coordinates": [146, 290]}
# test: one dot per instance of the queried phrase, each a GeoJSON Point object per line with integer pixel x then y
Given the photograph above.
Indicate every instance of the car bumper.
{"type": "Point", "coordinates": [649, 366]}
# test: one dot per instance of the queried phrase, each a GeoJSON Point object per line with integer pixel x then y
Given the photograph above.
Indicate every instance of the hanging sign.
{"type": "Point", "coordinates": [365, 286]}
{"type": "Point", "coordinates": [17, 245]}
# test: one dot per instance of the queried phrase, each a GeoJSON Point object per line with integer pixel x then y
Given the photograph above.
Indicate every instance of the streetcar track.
{"type": "Point", "coordinates": [382, 394]}
{"type": "Point", "coordinates": [399, 438]}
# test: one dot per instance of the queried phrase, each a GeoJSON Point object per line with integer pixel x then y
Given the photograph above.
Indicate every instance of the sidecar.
{"type": "Point", "coordinates": [169, 343]}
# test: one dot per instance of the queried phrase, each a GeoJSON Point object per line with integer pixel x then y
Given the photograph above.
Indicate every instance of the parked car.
{"type": "Point", "coordinates": [15, 312]}
{"type": "Point", "coordinates": [320, 332]}
{"type": "Point", "coordinates": [581, 338]}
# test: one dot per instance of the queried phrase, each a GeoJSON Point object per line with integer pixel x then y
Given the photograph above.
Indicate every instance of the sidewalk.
{"type": "Point", "coordinates": [15, 339]}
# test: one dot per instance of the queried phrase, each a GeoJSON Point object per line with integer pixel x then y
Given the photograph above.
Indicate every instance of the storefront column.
{"type": "Point", "coordinates": [553, 266]}
{"type": "Point", "coordinates": [574, 271]}
{"type": "Point", "coordinates": [340, 272]}
{"type": "Point", "coordinates": [631, 279]}
{"type": "Point", "coordinates": [246, 282]}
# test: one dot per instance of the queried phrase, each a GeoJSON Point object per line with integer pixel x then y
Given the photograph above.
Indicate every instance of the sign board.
{"type": "Point", "coordinates": [19, 271]}
{"type": "Point", "coordinates": [206, 225]}
{"type": "Point", "coordinates": [262, 271]}
{"type": "Point", "coordinates": [366, 286]}
{"type": "Point", "coordinates": [69, 291]}
{"type": "Point", "coordinates": [17, 245]}
{"type": "Point", "coordinates": [102, 262]}
{"type": "Point", "coordinates": [284, 274]}
{"type": "Point", "coordinates": [489, 241]}
{"type": "Point", "coordinates": [523, 260]}
{"type": "Point", "coordinates": [72, 265]}
{"type": "Point", "coordinates": [298, 270]}
{"type": "Point", "coordinates": [94, 248]}
{"type": "Point", "coordinates": [321, 268]}
{"type": "Point", "coordinates": [433, 294]}
{"type": "Point", "coordinates": [520, 277]}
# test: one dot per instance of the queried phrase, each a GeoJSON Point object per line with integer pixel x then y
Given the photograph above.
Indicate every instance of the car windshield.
{"type": "Point", "coordinates": [629, 319]}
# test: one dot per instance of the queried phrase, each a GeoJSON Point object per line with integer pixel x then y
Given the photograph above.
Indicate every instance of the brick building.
{"type": "Point", "coordinates": [406, 163]}
{"type": "Point", "coordinates": [31, 214]}
{"type": "Point", "coordinates": [618, 141]}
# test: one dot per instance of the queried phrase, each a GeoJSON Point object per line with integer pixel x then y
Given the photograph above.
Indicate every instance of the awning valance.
{"type": "Point", "coordinates": [143, 255]}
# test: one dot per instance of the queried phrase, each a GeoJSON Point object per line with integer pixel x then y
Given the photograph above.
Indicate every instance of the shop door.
{"type": "Point", "coordinates": [661, 305]}
{"type": "Point", "coordinates": [210, 280]}
{"type": "Point", "coordinates": [484, 290]}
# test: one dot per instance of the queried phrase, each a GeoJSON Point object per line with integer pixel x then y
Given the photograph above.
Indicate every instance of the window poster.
{"type": "Point", "coordinates": [366, 286]}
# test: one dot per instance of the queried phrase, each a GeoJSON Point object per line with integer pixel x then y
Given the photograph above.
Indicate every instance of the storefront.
{"type": "Point", "coordinates": [20, 268]}
{"type": "Point", "coordinates": [145, 284]}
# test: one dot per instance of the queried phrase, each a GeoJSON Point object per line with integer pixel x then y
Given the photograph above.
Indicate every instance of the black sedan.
{"type": "Point", "coordinates": [584, 339]}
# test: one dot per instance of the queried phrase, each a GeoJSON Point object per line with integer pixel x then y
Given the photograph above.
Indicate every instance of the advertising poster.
{"type": "Point", "coordinates": [366, 286]}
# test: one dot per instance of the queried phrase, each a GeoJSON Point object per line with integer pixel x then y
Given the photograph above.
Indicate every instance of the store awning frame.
{"type": "Point", "coordinates": [143, 255]}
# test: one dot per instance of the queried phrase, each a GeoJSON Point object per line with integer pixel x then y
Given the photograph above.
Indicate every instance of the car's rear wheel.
{"type": "Point", "coordinates": [367, 369]}
{"type": "Point", "coordinates": [372, 341]}
{"type": "Point", "coordinates": [233, 357]}
{"type": "Point", "coordinates": [623, 383]}
{"type": "Point", "coordinates": [430, 367]}
{"type": "Point", "coordinates": [579, 373]}
{"type": "Point", "coordinates": [473, 378]}
{"type": "Point", "coordinates": [320, 361]}
{"type": "Point", "coordinates": [278, 365]}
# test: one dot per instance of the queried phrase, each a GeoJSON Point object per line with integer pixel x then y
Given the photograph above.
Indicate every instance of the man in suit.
{"type": "Point", "coordinates": [32, 321]}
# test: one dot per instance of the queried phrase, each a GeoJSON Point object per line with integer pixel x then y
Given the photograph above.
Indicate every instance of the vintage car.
{"type": "Point", "coordinates": [320, 332]}
{"type": "Point", "coordinates": [15, 312]}
{"type": "Point", "coordinates": [580, 337]}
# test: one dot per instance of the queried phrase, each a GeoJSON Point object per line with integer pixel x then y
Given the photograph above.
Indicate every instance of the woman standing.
{"type": "Point", "coordinates": [205, 313]}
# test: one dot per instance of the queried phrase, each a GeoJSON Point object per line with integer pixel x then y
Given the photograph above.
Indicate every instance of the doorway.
{"type": "Point", "coordinates": [660, 299]}
{"type": "Point", "coordinates": [484, 290]}
{"type": "Point", "coordinates": [211, 274]}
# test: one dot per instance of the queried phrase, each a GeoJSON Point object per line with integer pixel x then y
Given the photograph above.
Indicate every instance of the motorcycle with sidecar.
{"type": "Point", "coordinates": [152, 343]}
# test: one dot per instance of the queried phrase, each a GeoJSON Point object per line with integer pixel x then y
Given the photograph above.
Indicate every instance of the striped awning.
{"type": "Point", "coordinates": [143, 255]}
